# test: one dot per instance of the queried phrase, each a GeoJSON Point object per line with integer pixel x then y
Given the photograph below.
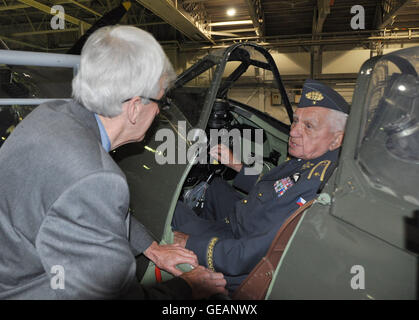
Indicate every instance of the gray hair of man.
{"type": "Point", "coordinates": [337, 120]}
{"type": "Point", "coordinates": [119, 63]}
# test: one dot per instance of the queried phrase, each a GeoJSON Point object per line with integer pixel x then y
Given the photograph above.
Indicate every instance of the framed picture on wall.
{"type": "Point", "coordinates": [276, 99]}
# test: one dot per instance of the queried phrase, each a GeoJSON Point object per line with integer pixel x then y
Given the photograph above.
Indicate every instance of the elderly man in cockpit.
{"type": "Point", "coordinates": [233, 232]}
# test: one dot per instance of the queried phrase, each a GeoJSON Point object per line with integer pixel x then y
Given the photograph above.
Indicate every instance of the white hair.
{"type": "Point", "coordinates": [337, 120]}
{"type": "Point", "coordinates": [119, 63]}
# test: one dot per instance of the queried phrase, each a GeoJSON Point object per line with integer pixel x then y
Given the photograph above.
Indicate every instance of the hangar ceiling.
{"type": "Point", "coordinates": [191, 24]}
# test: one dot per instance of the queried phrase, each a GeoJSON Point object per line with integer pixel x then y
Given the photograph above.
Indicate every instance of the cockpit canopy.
{"type": "Point", "coordinates": [389, 151]}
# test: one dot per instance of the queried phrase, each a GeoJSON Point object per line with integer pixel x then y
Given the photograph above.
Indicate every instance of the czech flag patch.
{"type": "Point", "coordinates": [301, 201]}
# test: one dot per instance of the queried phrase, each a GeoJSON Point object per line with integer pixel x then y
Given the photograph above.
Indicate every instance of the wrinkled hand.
{"type": "Point", "coordinates": [205, 283]}
{"type": "Point", "coordinates": [224, 155]}
{"type": "Point", "coordinates": [180, 238]}
{"type": "Point", "coordinates": [167, 256]}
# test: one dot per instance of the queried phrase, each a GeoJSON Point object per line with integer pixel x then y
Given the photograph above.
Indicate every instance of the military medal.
{"type": "Point", "coordinates": [281, 186]}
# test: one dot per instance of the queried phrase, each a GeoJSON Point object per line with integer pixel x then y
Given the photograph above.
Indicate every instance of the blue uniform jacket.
{"type": "Point", "coordinates": [256, 219]}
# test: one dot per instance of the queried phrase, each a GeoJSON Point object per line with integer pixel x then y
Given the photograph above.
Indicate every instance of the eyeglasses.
{"type": "Point", "coordinates": [162, 103]}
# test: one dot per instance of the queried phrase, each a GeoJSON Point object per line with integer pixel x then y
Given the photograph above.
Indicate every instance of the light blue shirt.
{"type": "Point", "coordinates": [106, 143]}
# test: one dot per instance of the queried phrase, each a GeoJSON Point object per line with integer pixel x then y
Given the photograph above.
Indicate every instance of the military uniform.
{"type": "Point", "coordinates": [234, 232]}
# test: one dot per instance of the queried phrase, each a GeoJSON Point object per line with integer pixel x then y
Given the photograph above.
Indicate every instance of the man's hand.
{"type": "Point", "coordinates": [224, 155]}
{"type": "Point", "coordinates": [180, 238]}
{"type": "Point", "coordinates": [167, 256]}
{"type": "Point", "coordinates": [205, 283]}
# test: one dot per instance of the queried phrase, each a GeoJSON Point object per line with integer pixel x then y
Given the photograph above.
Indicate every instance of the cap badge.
{"type": "Point", "coordinates": [314, 96]}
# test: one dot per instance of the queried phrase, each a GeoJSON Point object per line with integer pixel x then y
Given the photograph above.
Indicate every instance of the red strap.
{"type": "Point", "coordinates": [157, 272]}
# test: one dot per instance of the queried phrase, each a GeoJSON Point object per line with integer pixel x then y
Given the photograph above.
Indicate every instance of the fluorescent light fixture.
{"type": "Point", "coordinates": [230, 23]}
{"type": "Point", "coordinates": [224, 34]}
{"type": "Point", "coordinates": [231, 12]}
{"type": "Point", "coordinates": [240, 30]}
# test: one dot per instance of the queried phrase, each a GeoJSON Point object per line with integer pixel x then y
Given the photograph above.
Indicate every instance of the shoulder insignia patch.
{"type": "Point", "coordinates": [307, 165]}
{"type": "Point", "coordinates": [317, 169]}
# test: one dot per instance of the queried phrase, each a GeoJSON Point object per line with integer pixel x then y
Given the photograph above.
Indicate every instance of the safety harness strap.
{"type": "Point", "coordinates": [255, 286]}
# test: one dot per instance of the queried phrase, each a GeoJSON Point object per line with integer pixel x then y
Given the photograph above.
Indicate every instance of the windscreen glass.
{"type": "Point", "coordinates": [389, 152]}
{"type": "Point", "coordinates": [191, 89]}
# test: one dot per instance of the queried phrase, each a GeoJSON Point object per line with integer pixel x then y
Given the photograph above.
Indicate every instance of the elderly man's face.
{"type": "Point", "coordinates": [310, 135]}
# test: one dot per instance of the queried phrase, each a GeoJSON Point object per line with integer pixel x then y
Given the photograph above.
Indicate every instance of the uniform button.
{"type": "Point", "coordinates": [260, 194]}
{"type": "Point", "coordinates": [244, 201]}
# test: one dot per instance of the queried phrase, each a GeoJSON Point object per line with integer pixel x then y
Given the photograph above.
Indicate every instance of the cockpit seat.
{"type": "Point", "coordinates": [256, 285]}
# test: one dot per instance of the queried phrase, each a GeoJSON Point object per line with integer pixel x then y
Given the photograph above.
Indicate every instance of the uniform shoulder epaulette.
{"type": "Point", "coordinates": [319, 170]}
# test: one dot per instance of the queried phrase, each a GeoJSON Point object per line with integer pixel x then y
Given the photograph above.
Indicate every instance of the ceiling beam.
{"type": "Point", "coordinates": [179, 19]}
{"type": "Point", "coordinates": [22, 43]}
{"type": "Point", "coordinates": [44, 8]}
{"type": "Point", "coordinates": [13, 7]}
{"type": "Point", "coordinates": [257, 15]}
{"type": "Point", "coordinates": [387, 15]}
{"type": "Point", "coordinates": [23, 6]}
{"type": "Point", "coordinates": [320, 15]}
{"type": "Point", "coordinates": [85, 8]}
{"type": "Point", "coordinates": [4, 44]}
{"type": "Point", "coordinates": [41, 32]}
{"type": "Point", "coordinates": [193, 1]}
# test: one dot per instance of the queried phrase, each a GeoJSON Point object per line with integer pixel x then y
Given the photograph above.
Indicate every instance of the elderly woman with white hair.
{"type": "Point", "coordinates": [64, 223]}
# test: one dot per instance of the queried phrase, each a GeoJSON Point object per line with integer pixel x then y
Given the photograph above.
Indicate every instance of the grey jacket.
{"type": "Point", "coordinates": [64, 228]}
